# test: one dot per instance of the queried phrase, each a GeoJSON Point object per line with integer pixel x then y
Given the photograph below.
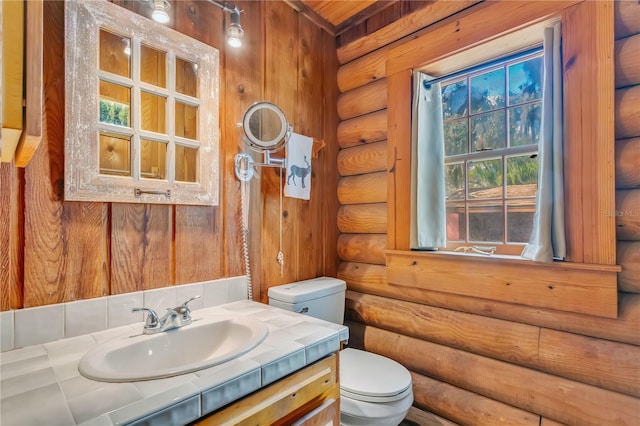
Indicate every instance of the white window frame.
{"type": "Point", "coordinates": [83, 180]}
{"type": "Point", "coordinates": [504, 246]}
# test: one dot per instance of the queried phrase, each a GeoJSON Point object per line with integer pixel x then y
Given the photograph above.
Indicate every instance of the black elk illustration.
{"type": "Point", "coordinates": [301, 172]}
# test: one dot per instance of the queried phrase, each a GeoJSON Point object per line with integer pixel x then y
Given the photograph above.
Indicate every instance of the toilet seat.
{"type": "Point", "coordinates": [365, 376]}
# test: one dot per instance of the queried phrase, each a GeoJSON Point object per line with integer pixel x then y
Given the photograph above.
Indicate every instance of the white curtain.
{"type": "Point", "coordinates": [548, 236]}
{"type": "Point", "coordinates": [428, 219]}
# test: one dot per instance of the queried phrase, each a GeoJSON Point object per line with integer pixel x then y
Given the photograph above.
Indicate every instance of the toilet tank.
{"type": "Point", "coordinates": [319, 297]}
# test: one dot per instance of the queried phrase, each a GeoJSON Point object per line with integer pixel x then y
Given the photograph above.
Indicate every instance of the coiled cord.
{"type": "Point", "coordinates": [244, 195]}
{"type": "Point", "coordinates": [244, 173]}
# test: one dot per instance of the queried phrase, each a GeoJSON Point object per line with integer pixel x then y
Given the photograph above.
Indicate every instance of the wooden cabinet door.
{"type": "Point", "coordinates": [288, 400]}
{"type": "Point", "coordinates": [328, 414]}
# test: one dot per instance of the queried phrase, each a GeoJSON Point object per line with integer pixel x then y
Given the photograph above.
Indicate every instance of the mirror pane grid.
{"type": "Point", "coordinates": [115, 53]}
{"type": "Point", "coordinates": [153, 66]}
{"type": "Point", "coordinates": [115, 154]}
{"type": "Point", "coordinates": [153, 112]}
{"type": "Point", "coordinates": [186, 77]}
{"type": "Point", "coordinates": [186, 121]}
{"type": "Point", "coordinates": [186, 164]}
{"type": "Point", "coordinates": [153, 163]}
{"type": "Point", "coordinates": [115, 104]}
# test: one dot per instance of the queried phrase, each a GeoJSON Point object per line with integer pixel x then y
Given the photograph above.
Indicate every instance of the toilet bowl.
{"type": "Point", "coordinates": [374, 390]}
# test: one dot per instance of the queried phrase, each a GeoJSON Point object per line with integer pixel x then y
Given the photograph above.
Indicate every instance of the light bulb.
{"type": "Point", "coordinates": [235, 31]}
{"type": "Point", "coordinates": [234, 42]}
{"type": "Point", "coordinates": [160, 14]}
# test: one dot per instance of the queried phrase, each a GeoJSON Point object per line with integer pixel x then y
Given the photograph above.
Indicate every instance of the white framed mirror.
{"type": "Point", "coordinates": [142, 109]}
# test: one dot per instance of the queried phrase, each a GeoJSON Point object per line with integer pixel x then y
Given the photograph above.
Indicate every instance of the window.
{"type": "Point", "coordinates": [142, 110]}
{"type": "Point", "coordinates": [491, 127]}
{"type": "Point", "coordinates": [586, 282]}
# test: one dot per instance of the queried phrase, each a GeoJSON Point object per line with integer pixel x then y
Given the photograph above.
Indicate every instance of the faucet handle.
{"type": "Point", "coordinates": [184, 310]}
{"type": "Point", "coordinates": [152, 317]}
{"type": "Point", "coordinates": [191, 300]}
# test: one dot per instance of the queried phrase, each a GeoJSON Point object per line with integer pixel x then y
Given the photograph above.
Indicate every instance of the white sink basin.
{"type": "Point", "coordinates": [202, 344]}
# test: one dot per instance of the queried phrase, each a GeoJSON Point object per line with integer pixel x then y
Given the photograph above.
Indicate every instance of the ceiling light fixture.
{"type": "Point", "coordinates": [234, 30]}
{"type": "Point", "coordinates": [160, 8]}
{"type": "Point", "coordinates": [235, 33]}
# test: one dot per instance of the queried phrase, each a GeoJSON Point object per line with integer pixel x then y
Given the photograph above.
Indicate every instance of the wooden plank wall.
{"type": "Point", "coordinates": [54, 251]}
{"type": "Point", "coordinates": [475, 361]}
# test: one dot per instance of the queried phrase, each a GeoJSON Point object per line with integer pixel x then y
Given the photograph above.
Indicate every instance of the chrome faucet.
{"type": "Point", "coordinates": [151, 323]}
{"type": "Point", "coordinates": [174, 318]}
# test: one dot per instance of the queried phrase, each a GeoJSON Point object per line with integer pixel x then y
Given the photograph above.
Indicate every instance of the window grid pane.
{"type": "Point", "coordinates": [492, 200]}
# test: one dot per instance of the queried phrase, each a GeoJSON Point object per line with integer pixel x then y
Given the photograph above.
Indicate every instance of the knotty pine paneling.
{"type": "Point", "coordinates": [140, 247]}
{"type": "Point", "coordinates": [11, 234]}
{"type": "Point", "coordinates": [330, 200]}
{"type": "Point", "coordinates": [281, 60]}
{"type": "Point", "coordinates": [198, 229]}
{"type": "Point", "coordinates": [62, 251]}
{"type": "Point", "coordinates": [242, 82]}
{"type": "Point", "coordinates": [65, 244]}
{"type": "Point", "coordinates": [311, 85]}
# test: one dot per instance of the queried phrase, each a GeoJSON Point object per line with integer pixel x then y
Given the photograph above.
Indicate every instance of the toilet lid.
{"type": "Point", "coordinates": [367, 376]}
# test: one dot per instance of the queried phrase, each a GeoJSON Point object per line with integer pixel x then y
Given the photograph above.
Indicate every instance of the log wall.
{"type": "Point", "coordinates": [53, 251]}
{"type": "Point", "coordinates": [476, 361]}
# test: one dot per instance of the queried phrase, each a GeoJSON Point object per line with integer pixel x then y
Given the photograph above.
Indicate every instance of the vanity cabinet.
{"type": "Point", "coordinates": [307, 397]}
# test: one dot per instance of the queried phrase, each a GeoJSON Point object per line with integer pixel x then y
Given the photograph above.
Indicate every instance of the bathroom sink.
{"type": "Point", "coordinates": [202, 344]}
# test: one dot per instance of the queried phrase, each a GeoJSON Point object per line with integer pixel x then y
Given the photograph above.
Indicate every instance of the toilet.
{"type": "Point", "coordinates": [374, 390]}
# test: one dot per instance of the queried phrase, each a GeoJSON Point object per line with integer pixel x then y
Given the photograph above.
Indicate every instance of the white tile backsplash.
{"type": "Point", "coordinates": [237, 288]}
{"type": "Point", "coordinates": [215, 292]}
{"type": "Point", "coordinates": [186, 292]}
{"type": "Point", "coordinates": [85, 316]}
{"type": "Point", "coordinates": [39, 325]}
{"type": "Point", "coordinates": [119, 309]}
{"type": "Point", "coordinates": [34, 326]}
{"type": "Point", "coordinates": [160, 299]}
{"type": "Point", "coordinates": [6, 331]}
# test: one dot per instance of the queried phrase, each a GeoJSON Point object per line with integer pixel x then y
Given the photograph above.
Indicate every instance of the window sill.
{"type": "Point", "coordinates": [574, 287]}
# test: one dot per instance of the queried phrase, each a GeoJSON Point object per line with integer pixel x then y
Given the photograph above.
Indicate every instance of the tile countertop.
{"type": "Point", "coordinates": [41, 385]}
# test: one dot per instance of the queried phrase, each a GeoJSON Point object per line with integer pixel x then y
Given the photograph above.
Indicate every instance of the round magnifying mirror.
{"type": "Point", "coordinates": [265, 126]}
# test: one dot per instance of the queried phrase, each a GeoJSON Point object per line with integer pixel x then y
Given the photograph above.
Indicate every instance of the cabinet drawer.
{"type": "Point", "coordinates": [288, 400]}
